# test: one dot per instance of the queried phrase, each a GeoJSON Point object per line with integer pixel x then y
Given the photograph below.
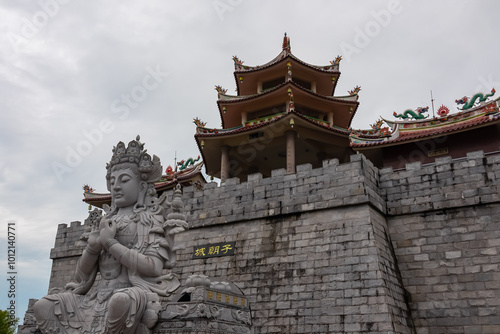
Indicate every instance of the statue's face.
{"type": "Point", "coordinates": [125, 187]}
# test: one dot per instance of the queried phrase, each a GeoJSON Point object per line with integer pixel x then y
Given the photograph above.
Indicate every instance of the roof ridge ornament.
{"type": "Point", "coordinates": [286, 44]}
{"type": "Point", "coordinates": [443, 111]}
{"type": "Point", "coordinates": [88, 189]}
{"type": "Point", "coordinates": [183, 164]}
{"type": "Point", "coordinates": [238, 63]}
{"type": "Point", "coordinates": [477, 98]}
{"type": "Point", "coordinates": [410, 114]}
{"type": "Point", "coordinates": [378, 129]}
{"type": "Point", "coordinates": [336, 62]}
{"type": "Point", "coordinates": [199, 123]}
{"type": "Point", "coordinates": [220, 90]}
{"type": "Point", "coordinates": [355, 91]}
{"type": "Point", "coordinates": [237, 60]}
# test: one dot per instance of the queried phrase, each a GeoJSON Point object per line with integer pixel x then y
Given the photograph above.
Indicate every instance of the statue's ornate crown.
{"type": "Point", "coordinates": [149, 168]}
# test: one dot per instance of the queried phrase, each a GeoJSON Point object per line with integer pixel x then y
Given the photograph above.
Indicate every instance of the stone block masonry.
{"type": "Point", "coordinates": [313, 253]}
{"type": "Point", "coordinates": [349, 248]}
{"type": "Point", "coordinates": [65, 255]}
{"type": "Point", "coordinates": [326, 271]}
{"type": "Point", "coordinates": [444, 222]}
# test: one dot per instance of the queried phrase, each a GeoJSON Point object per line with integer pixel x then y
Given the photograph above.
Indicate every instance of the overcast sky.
{"type": "Point", "coordinates": [78, 76]}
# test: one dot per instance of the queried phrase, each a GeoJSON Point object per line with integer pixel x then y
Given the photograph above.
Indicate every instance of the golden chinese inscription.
{"type": "Point", "coordinates": [214, 250]}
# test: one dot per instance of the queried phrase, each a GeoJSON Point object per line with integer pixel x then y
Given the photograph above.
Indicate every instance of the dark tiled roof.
{"type": "Point", "coordinates": [224, 132]}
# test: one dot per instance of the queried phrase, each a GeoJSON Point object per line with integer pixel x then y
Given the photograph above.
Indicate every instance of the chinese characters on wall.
{"type": "Point", "coordinates": [214, 250]}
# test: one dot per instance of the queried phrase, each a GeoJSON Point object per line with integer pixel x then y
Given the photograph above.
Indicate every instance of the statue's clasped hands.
{"type": "Point", "coordinates": [107, 230]}
{"type": "Point", "coordinates": [101, 233]}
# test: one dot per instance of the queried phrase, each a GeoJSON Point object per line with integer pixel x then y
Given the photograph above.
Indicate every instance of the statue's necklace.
{"type": "Point", "coordinates": [124, 231]}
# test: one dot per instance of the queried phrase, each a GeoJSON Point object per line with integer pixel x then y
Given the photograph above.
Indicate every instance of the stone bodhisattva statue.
{"type": "Point", "coordinates": [131, 248]}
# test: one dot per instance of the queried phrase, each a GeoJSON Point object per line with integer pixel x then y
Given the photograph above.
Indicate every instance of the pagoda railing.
{"type": "Point", "coordinates": [216, 131]}
{"type": "Point", "coordinates": [324, 123]}
{"type": "Point", "coordinates": [317, 120]}
{"type": "Point", "coordinates": [264, 119]}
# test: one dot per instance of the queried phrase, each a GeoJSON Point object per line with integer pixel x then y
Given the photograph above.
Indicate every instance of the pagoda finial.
{"type": "Point", "coordinates": [286, 43]}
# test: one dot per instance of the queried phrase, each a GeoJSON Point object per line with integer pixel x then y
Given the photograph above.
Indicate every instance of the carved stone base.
{"type": "Point", "coordinates": [199, 326]}
{"type": "Point", "coordinates": [209, 307]}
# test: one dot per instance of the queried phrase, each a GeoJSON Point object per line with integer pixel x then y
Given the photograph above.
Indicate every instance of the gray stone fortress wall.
{"type": "Point", "coordinates": [349, 248]}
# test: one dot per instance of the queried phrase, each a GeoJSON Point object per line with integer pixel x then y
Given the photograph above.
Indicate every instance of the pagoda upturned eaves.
{"type": "Point", "coordinates": [254, 79]}
{"type": "Point", "coordinates": [237, 110]}
{"type": "Point", "coordinates": [284, 113]}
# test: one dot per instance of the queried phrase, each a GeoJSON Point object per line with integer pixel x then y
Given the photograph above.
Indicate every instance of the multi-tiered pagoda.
{"type": "Point", "coordinates": [284, 114]}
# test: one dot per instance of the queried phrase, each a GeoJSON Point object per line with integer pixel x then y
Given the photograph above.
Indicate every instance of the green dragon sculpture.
{"type": "Point", "coordinates": [185, 163]}
{"type": "Point", "coordinates": [470, 103]}
{"type": "Point", "coordinates": [417, 114]}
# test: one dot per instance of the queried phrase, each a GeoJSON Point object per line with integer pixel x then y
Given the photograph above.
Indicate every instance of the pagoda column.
{"type": "Point", "coordinates": [330, 117]}
{"type": "Point", "coordinates": [243, 118]}
{"type": "Point", "coordinates": [290, 152]}
{"type": "Point", "coordinates": [224, 163]}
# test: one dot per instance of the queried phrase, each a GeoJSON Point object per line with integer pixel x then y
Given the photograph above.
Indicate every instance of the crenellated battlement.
{"type": "Point", "coordinates": [67, 249]}
{"type": "Point", "coordinates": [332, 185]}
{"type": "Point", "coordinates": [446, 183]}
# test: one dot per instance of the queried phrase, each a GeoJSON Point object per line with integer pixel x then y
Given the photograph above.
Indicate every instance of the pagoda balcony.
{"type": "Point", "coordinates": [264, 119]}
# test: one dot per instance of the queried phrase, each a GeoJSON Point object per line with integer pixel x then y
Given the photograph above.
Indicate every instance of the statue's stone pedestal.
{"type": "Point", "coordinates": [206, 306]}
{"type": "Point", "coordinates": [206, 310]}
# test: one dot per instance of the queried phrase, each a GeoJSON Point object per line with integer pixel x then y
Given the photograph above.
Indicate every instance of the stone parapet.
{"type": "Point", "coordinates": [65, 254]}
{"type": "Point", "coordinates": [445, 184]}
{"type": "Point", "coordinates": [332, 185]}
